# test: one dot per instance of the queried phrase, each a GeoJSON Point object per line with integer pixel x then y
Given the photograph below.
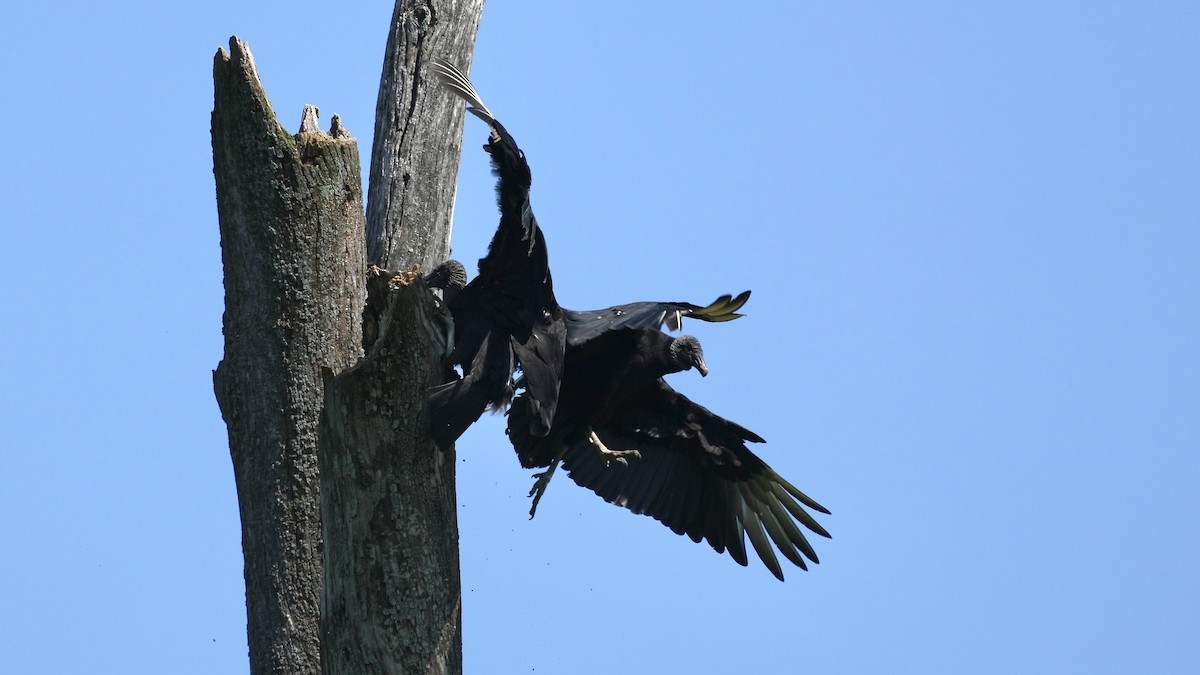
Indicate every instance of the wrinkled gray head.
{"type": "Point", "coordinates": [686, 353]}
{"type": "Point", "coordinates": [447, 279]}
{"type": "Point", "coordinates": [449, 275]}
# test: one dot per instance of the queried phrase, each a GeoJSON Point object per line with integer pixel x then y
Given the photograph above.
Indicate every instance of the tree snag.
{"type": "Point", "coordinates": [349, 529]}
{"type": "Point", "coordinates": [290, 211]}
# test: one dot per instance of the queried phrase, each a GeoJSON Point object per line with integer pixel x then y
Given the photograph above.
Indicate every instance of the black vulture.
{"type": "Point", "coordinates": [687, 467]}
{"type": "Point", "coordinates": [506, 317]}
{"type": "Point", "coordinates": [584, 327]}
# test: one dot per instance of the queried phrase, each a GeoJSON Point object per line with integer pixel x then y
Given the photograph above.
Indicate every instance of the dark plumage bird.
{"type": "Point", "coordinates": [506, 317]}
{"type": "Point", "coordinates": [674, 460]}
{"type": "Point", "coordinates": [583, 327]}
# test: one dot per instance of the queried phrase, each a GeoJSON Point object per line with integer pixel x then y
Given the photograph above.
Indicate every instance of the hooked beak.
{"type": "Point", "coordinates": [702, 367]}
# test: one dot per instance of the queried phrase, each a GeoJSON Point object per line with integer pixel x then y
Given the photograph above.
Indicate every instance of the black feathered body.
{"type": "Point", "coordinates": [600, 376]}
{"type": "Point", "coordinates": [611, 353]}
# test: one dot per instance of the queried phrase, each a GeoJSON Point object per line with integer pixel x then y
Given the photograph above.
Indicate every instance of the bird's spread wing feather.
{"type": "Point", "coordinates": [453, 79]}
{"type": "Point", "coordinates": [698, 478]}
{"type": "Point", "coordinates": [586, 325]}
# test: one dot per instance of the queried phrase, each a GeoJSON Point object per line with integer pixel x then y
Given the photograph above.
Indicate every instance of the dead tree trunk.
{"type": "Point", "coordinates": [392, 599]}
{"type": "Point", "coordinates": [291, 242]}
{"type": "Point", "coordinates": [349, 533]}
{"type": "Point", "coordinates": [418, 135]}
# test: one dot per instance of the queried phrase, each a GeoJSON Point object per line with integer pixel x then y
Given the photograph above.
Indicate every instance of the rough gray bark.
{"type": "Point", "coordinates": [418, 135]}
{"type": "Point", "coordinates": [291, 222]}
{"type": "Point", "coordinates": [392, 600]}
{"type": "Point", "coordinates": [376, 511]}
{"type": "Point", "coordinates": [392, 592]}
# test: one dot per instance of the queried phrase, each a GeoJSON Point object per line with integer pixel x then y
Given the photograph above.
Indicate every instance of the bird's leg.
{"type": "Point", "coordinates": [540, 485]}
{"type": "Point", "coordinates": [611, 456]}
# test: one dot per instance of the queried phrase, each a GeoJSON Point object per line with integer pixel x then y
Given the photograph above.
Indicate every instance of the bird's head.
{"type": "Point", "coordinates": [446, 280]}
{"type": "Point", "coordinates": [449, 275]}
{"type": "Point", "coordinates": [686, 353]}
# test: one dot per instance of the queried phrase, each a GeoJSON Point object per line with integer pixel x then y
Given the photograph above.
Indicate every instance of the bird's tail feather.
{"type": "Point", "coordinates": [456, 405]}
{"type": "Point", "coordinates": [533, 451]}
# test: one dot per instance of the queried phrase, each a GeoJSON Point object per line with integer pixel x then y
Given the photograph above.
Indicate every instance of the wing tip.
{"type": "Point", "coordinates": [457, 82]}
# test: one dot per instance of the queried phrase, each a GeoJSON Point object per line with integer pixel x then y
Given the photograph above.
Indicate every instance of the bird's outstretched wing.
{"type": "Point", "coordinates": [583, 326]}
{"type": "Point", "coordinates": [512, 296]}
{"type": "Point", "coordinates": [697, 477]}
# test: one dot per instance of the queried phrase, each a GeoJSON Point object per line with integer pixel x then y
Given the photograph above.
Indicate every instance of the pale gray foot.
{"type": "Point", "coordinates": [612, 456]}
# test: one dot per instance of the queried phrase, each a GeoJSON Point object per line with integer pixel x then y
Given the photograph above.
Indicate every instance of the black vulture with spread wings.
{"type": "Point", "coordinates": [506, 317]}
{"type": "Point", "coordinates": [674, 459]}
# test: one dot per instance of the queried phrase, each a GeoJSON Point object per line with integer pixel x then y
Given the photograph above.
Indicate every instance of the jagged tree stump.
{"type": "Point", "coordinates": [345, 501]}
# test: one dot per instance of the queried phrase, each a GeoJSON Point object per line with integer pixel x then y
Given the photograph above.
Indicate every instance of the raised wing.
{"type": "Point", "coordinates": [512, 296]}
{"type": "Point", "coordinates": [583, 326]}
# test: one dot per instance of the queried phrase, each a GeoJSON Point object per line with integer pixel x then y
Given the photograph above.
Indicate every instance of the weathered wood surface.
{"type": "Point", "coordinates": [392, 592]}
{"type": "Point", "coordinates": [365, 526]}
{"type": "Point", "coordinates": [291, 219]}
{"type": "Point", "coordinates": [418, 135]}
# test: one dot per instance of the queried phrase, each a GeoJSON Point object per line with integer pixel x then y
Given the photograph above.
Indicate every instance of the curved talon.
{"type": "Point", "coordinates": [541, 482]}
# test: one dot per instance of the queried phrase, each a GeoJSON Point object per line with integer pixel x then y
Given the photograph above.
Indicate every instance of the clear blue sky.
{"type": "Point", "coordinates": [973, 236]}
